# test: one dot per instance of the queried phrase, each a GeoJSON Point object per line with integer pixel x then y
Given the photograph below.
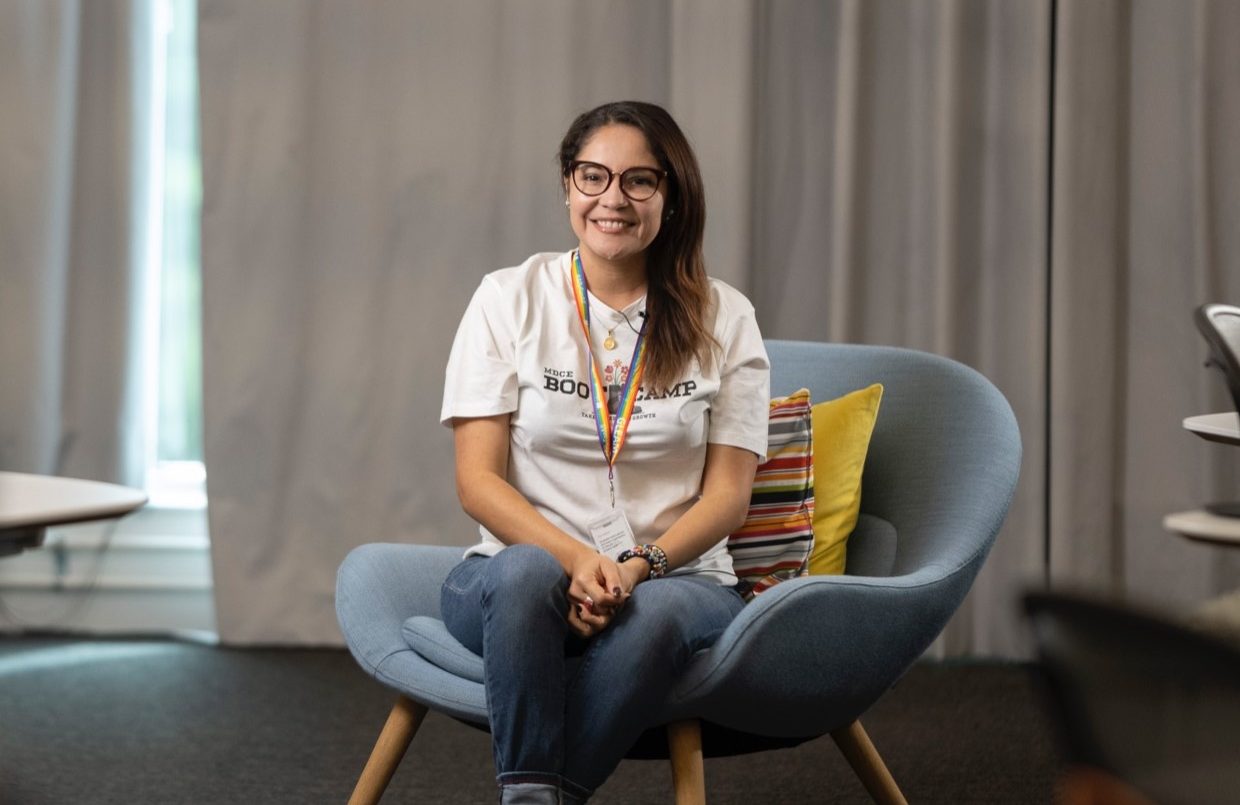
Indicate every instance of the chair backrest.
{"type": "Point", "coordinates": [1141, 697]}
{"type": "Point", "coordinates": [943, 460]}
{"type": "Point", "coordinates": [1220, 326]}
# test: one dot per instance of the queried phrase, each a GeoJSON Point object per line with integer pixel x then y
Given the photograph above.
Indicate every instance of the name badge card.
{"type": "Point", "coordinates": [612, 534]}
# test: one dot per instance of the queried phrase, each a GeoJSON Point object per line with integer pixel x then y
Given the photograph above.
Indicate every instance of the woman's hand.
{"type": "Point", "coordinates": [596, 591]}
{"type": "Point", "coordinates": [633, 572]}
{"type": "Point", "coordinates": [580, 626]}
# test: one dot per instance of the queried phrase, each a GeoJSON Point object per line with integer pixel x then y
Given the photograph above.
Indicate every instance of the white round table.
{"type": "Point", "coordinates": [30, 504]}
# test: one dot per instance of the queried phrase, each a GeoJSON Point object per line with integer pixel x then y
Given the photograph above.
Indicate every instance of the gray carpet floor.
{"type": "Point", "coordinates": [166, 722]}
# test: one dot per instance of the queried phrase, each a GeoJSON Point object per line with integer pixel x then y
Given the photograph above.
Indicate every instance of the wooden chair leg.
{"type": "Point", "coordinates": [402, 724]}
{"type": "Point", "coordinates": [684, 740]}
{"type": "Point", "coordinates": [865, 761]}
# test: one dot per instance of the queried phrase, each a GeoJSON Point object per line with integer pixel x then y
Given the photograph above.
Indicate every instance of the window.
{"type": "Point", "coordinates": [175, 476]}
{"type": "Point", "coordinates": [150, 572]}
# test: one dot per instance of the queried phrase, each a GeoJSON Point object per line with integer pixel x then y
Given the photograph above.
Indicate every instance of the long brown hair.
{"type": "Point", "coordinates": [678, 292]}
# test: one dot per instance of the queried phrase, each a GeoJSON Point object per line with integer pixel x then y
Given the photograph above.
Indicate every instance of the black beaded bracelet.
{"type": "Point", "coordinates": [652, 553]}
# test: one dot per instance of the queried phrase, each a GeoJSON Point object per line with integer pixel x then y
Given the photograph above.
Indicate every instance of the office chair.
{"type": "Point", "coordinates": [803, 659]}
{"type": "Point", "coordinates": [1220, 327]}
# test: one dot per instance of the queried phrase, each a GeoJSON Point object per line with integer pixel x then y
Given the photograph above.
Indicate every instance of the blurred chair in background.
{"type": "Point", "coordinates": [1149, 709]}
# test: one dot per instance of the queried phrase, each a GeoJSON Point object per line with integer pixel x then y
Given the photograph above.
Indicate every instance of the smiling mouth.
{"type": "Point", "coordinates": [611, 225]}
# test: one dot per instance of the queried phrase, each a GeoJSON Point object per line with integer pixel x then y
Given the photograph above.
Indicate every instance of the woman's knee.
{"type": "Point", "coordinates": [688, 613]}
{"type": "Point", "coordinates": [675, 594]}
{"type": "Point", "coordinates": [522, 573]}
{"type": "Point", "coordinates": [528, 561]}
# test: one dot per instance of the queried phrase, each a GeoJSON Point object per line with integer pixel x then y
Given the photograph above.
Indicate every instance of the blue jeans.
{"type": "Point", "coordinates": [564, 710]}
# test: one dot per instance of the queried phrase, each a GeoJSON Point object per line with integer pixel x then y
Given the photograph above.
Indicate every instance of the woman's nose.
{"type": "Point", "coordinates": [613, 196]}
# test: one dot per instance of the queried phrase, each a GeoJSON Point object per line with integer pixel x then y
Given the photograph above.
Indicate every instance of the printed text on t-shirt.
{"type": "Point", "coordinates": [563, 382]}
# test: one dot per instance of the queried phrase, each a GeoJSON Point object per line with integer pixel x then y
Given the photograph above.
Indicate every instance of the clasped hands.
{"type": "Point", "coordinates": [598, 589]}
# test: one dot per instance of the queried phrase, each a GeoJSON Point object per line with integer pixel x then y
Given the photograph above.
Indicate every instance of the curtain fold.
{"type": "Point", "coordinates": [72, 176]}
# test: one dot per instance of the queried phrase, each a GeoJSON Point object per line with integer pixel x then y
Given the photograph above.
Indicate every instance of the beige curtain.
{"type": "Point", "coordinates": [922, 174]}
{"type": "Point", "coordinates": [72, 177]}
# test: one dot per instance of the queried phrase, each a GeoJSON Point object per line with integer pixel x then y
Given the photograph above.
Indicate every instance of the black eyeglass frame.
{"type": "Point", "coordinates": [611, 176]}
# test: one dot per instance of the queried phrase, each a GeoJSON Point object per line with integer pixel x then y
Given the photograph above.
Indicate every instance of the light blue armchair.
{"type": "Point", "coordinates": [805, 658]}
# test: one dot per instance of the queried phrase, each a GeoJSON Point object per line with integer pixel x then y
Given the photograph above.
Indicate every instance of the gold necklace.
{"type": "Point", "coordinates": [609, 343]}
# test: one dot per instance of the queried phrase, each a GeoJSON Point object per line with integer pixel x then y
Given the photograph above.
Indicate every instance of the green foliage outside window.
{"type": "Point", "coordinates": [180, 355]}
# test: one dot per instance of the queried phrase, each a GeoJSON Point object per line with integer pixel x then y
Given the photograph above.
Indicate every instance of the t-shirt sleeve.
{"type": "Point", "coordinates": [481, 378]}
{"type": "Point", "coordinates": [739, 413]}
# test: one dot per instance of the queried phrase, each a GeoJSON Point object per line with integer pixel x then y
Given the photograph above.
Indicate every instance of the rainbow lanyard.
{"type": "Point", "coordinates": [610, 438]}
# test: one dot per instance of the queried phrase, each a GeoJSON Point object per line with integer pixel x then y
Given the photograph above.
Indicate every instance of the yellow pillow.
{"type": "Point", "coordinates": [842, 429]}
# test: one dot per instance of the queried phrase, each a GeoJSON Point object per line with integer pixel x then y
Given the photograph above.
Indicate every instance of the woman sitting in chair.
{"type": "Point", "coordinates": [609, 408]}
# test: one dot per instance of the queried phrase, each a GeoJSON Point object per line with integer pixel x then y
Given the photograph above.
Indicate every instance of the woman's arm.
{"type": "Point", "coordinates": [727, 482]}
{"type": "Point", "coordinates": [485, 494]}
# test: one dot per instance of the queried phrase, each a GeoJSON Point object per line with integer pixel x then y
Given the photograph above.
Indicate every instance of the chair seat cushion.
{"type": "Point", "coordinates": [435, 644]}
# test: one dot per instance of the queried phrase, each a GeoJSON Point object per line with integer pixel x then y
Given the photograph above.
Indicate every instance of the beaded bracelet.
{"type": "Point", "coordinates": [652, 553]}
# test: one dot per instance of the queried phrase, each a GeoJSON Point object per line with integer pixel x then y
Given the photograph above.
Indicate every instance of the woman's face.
{"type": "Point", "coordinates": [611, 227]}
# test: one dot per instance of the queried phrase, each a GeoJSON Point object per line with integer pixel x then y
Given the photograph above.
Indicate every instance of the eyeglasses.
{"type": "Point", "coordinates": [593, 179]}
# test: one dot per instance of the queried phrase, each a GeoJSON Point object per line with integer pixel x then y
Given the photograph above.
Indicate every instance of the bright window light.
{"type": "Point", "coordinates": [175, 477]}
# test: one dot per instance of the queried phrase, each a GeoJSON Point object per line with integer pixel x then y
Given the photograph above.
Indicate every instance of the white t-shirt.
{"type": "Point", "coordinates": [520, 349]}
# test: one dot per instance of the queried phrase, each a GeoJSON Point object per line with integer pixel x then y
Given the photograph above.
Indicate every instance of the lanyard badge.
{"type": "Point", "coordinates": [611, 436]}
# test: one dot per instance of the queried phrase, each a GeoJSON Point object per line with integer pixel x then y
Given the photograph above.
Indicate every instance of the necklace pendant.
{"type": "Point", "coordinates": [609, 342]}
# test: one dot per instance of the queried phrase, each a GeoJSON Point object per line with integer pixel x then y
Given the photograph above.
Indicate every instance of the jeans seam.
{"type": "Point", "coordinates": [449, 581]}
{"type": "Point", "coordinates": [496, 746]}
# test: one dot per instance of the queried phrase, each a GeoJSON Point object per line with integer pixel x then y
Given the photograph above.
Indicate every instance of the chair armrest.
{"type": "Point", "coordinates": [380, 586]}
{"type": "Point", "coordinates": [813, 653]}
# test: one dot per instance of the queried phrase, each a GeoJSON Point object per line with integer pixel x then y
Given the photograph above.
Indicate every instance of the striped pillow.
{"type": "Point", "coordinates": [775, 542]}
